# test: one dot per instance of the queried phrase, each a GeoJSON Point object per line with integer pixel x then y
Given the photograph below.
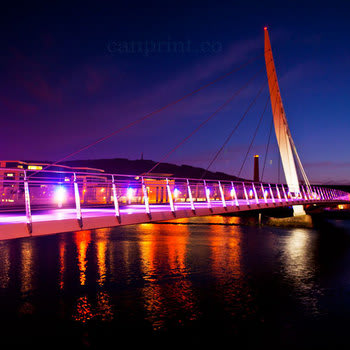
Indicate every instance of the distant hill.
{"type": "Point", "coordinates": [138, 167]}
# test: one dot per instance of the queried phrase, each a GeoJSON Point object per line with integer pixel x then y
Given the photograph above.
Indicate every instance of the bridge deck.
{"type": "Point", "coordinates": [51, 221]}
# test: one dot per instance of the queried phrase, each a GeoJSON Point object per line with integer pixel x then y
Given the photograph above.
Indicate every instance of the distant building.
{"type": "Point", "coordinates": [12, 175]}
{"type": "Point", "coordinates": [94, 184]}
{"type": "Point", "coordinates": [156, 188]}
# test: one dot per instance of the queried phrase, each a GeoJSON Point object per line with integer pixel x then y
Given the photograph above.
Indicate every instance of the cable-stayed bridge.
{"type": "Point", "coordinates": [42, 201]}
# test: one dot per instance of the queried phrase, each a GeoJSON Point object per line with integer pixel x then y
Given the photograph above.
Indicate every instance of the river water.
{"type": "Point", "coordinates": [187, 283]}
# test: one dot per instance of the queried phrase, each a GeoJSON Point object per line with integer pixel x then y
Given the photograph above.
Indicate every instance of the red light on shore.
{"type": "Point", "coordinates": [265, 28]}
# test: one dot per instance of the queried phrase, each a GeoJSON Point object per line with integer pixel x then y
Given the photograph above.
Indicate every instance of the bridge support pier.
{"type": "Point", "coordinates": [298, 210]}
{"type": "Point", "coordinates": [303, 221]}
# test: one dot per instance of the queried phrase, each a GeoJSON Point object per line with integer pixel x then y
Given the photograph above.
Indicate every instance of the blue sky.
{"type": "Point", "coordinates": [73, 73]}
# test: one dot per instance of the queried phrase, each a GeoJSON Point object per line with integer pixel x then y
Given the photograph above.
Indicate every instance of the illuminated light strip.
{"type": "Point", "coordinates": [271, 193]}
{"type": "Point", "coordinates": [284, 193]}
{"type": "Point", "coordinates": [303, 190]}
{"type": "Point", "coordinates": [222, 195]}
{"type": "Point", "coordinates": [115, 199]}
{"type": "Point", "coordinates": [190, 195]}
{"type": "Point", "coordinates": [255, 194]}
{"type": "Point", "coordinates": [278, 194]}
{"type": "Point", "coordinates": [325, 193]}
{"type": "Point", "coordinates": [77, 202]}
{"type": "Point", "coordinates": [246, 194]}
{"type": "Point", "coordinates": [264, 194]}
{"type": "Point", "coordinates": [172, 208]}
{"type": "Point", "coordinates": [234, 194]}
{"type": "Point", "coordinates": [145, 197]}
{"type": "Point", "coordinates": [27, 203]}
{"type": "Point", "coordinates": [207, 194]}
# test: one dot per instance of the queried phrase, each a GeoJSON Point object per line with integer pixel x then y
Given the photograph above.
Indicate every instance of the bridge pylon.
{"type": "Point", "coordinates": [284, 139]}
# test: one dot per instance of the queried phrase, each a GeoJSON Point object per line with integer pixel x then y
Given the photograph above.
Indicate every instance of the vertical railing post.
{"type": "Point", "coordinates": [321, 193]}
{"type": "Point", "coordinates": [311, 197]}
{"type": "Point", "coordinates": [303, 196]}
{"type": "Point", "coordinates": [190, 195]}
{"type": "Point", "coordinates": [222, 195]}
{"type": "Point", "coordinates": [234, 194]}
{"type": "Point", "coordinates": [263, 192]}
{"type": "Point", "coordinates": [255, 194]}
{"type": "Point", "coordinates": [284, 193]}
{"type": "Point", "coordinates": [77, 202]}
{"type": "Point", "coordinates": [271, 194]}
{"type": "Point", "coordinates": [291, 196]}
{"type": "Point", "coordinates": [246, 194]}
{"type": "Point", "coordinates": [324, 193]}
{"type": "Point", "coordinates": [170, 195]}
{"type": "Point", "coordinates": [329, 194]}
{"type": "Point", "coordinates": [317, 193]}
{"type": "Point", "coordinates": [278, 194]}
{"type": "Point", "coordinates": [115, 199]}
{"type": "Point", "coordinates": [27, 204]}
{"type": "Point", "coordinates": [145, 198]}
{"type": "Point", "coordinates": [207, 194]}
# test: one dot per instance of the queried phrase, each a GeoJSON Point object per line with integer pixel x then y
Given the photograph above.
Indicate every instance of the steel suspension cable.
{"type": "Point", "coordinates": [148, 115]}
{"type": "Point", "coordinates": [233, 130]}
{"type": "Point", "coordinates": [267, 150]}
{"type": "Point", "coordinates": [204, 122]}
{"type": "Point", "coordinates": [256, 131]}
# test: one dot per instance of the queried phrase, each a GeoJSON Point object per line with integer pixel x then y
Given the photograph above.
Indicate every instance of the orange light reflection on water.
{"type": "Point", "coordinates": [5, 266]}
{"type": "Point", "coordinates": [101, 238]}
{"type": "Point", "coordinates": [101, 308]}
{"type": "Point", "coordinates": [62, 265]}
{"type": "Point", "coordinates": [27, 274]}
{"type": "Point", "coordinates": [167, 289]}
{"type": "Point", "coordinates": [82, 241]}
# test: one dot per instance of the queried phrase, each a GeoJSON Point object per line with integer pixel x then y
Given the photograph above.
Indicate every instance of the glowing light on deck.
{"type": "Point", "coordinates": [176, 193]}
{"type": "Point", "coordinates": [60, 196]}
{"type": "Point", "coordinates": [130, 194]}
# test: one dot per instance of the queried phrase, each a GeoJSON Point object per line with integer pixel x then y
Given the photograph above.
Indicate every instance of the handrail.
{"type": "Point", "coordinates": [125, 177]}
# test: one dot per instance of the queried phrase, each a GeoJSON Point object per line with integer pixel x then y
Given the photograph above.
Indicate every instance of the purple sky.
{"type": "Point", "coordinates": [74, 74]}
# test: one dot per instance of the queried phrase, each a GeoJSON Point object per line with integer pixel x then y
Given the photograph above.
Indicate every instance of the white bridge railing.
{"type": "Point", "coordinates": [25, 191]}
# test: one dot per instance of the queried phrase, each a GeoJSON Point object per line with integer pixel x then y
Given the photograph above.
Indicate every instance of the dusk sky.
{"type": "Point", "coordinates": [72, 74]}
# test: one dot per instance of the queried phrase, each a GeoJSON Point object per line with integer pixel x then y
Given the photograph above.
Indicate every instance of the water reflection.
{"type": "Point", "coordinates": [300, 267]}
{"type": "Point", "coordinates": [27, 266]}
{"type": "Point", "coordinates": [62, 262]}
{"type": "Point", "coordinates": [210, 273]}
{"type": "Point", "coordinates": [100, 307]}
{"type": "Point", "coordinates": [226, 253]}
{"type": "Point", "coordinates": [83, 312]}
{"type": "Point", "coordinates": [27, 275]}
{"type": "Point", "coordinates": [4, 265]}
{"type": "Point", "coordinates": [167, 291]}
{"type": "Point", "coordinates": [101, 239]}
{"type": "Point", "coordinates": [82, 241]}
